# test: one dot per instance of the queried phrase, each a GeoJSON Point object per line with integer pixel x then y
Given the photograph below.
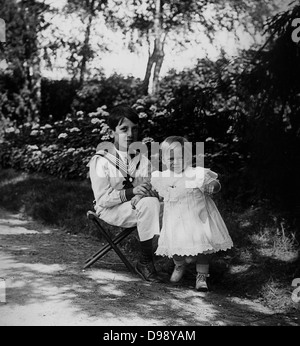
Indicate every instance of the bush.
{"type": "Point", "coordinates": [110, 91]}
{"type": "Point", "coordinates": [56, 98]}
{"type": "Point", "coordinates": [17, 103]}
{"type": "Point", "coordinates": [61, 148]}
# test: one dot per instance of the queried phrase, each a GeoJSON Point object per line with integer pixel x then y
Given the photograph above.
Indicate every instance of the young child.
{"type": "Point", "coordinates": [192, 225]}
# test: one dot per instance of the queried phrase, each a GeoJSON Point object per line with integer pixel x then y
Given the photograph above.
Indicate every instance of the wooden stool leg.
{"type": "Point", "coordinates": [117, 250]}
{"type": "Point", "coordinates": [105, 249]}
{"type": "Point", "coordinates": [108, 247]}
{"type": "Point", "coordinates": [112, 244]}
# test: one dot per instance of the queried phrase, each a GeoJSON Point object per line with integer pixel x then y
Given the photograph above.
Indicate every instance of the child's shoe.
{"type": "Point", "coordinates": [178, 272]}
{"type": "Point", "coordinates": [201, 284]}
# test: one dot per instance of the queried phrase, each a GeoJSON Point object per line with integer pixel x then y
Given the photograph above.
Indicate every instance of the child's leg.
{"type": "Point", "coordinates": [179, 269]}
{"type": "Point", "coordinates": [202, 268]}
{"type": "Point", "coordinates": [202, 264]}
{"type": "Point", "coordinates": [190, 259]}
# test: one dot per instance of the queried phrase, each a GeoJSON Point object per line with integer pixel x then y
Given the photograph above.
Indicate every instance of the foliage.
{"type": "Point", "coordinates": [62, 148]}
{"type": "Point", "coordinates": [159, 22]}
{"type": "Point", "coordinates": [57, 97]}
{"type": "Point", "coordinates": [109, 91]}
{"type": "Point", "coordinates": [60, 97]}
{"type": "Point", "coordinates": [83, 52]}
{"type": "Point", "coordinates": [25, 21]}
{"type": "Point", "coordinates": [273, 124]}
{"type": "Point", "coordinates": [15, 101]}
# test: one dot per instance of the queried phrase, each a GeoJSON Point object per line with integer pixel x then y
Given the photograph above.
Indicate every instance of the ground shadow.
{"type": "Point", "coordinates": [46, 284]}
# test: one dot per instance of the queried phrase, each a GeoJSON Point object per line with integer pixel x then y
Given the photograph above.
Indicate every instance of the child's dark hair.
{"type": "Point", "coordinates": [118, 113]}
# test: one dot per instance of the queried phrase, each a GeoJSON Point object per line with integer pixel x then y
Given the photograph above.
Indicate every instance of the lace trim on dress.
{"type": "Point", "coordinates": [204, 249]}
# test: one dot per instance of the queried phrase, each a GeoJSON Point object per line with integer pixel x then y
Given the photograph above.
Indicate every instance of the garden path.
{"type": "Point", "coordinates": [45, 285]}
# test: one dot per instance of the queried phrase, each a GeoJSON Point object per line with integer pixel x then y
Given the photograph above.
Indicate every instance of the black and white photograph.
{"type": "Point", "coordinates": [150, 165]}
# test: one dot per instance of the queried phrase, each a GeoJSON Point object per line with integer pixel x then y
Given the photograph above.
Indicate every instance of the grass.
{"type": "Point", "coordinates": [265, 259]}
{"type": "Point", "coordinates": [262, 264]}
{"type": "Point", "coordinates": [47, 199]}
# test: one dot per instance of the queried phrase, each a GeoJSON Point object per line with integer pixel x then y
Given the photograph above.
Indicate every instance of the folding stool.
{"type": "Point", "coordinates": [112, 242]}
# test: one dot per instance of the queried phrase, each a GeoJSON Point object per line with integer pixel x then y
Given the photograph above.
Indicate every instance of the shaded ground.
{"type": "Point", "coordinates": [45, 285]}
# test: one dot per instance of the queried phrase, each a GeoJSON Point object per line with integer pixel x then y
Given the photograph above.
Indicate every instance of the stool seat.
{"type": "Point", "coordinates": [112, 242]}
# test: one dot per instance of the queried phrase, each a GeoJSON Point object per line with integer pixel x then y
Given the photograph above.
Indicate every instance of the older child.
{"type": "Point", "coordinates": [116, 178]}
{"type": "Point", "coordinates": [192, 225]}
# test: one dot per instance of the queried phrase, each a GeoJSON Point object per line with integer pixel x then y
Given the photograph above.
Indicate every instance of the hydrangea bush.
{"type": "Point", "coordinates": [62, 148]}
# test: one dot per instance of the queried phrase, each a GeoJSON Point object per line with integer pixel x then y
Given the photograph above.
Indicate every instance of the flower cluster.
{"type": "Point", "coordinates": [62, 148]}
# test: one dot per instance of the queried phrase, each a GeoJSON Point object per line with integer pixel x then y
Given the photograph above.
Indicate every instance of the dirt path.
{"type": "Point", "coordinates": [45, 285]}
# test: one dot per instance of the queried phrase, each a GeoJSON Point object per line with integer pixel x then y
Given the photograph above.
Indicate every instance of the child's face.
{"type": "Point", "coordinates": [125, 134]}
{"type": "Point", "coordinates": [174, 159]}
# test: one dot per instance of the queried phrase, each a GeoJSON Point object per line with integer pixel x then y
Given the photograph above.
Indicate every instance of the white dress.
{"type": "Point", "coordinates": [192, 223]}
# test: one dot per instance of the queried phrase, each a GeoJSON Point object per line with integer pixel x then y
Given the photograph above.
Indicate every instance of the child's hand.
{"type": "Point", "coordinates": [134, 201]}
{"type": "Point", "coordinates": [154, 193]}
{"type": "Point", "coordinates": [209, 189]}
{"type": "Point", "coordinates": [143, 189]}
{"type": "Point", "coordinates": [212, 187]}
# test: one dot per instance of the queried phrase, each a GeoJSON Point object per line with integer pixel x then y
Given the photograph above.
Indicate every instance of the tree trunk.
{"type": "Point", "coordinates": [36, 85]}
{"type": "Point", "coordinates": [32, 64]}
{"type": "Point", "coordinates": [85, 48]}
{"type": "Point", "coordinates": [157, 56]}
{"type": "Point", "coordinates": [147, 77]}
